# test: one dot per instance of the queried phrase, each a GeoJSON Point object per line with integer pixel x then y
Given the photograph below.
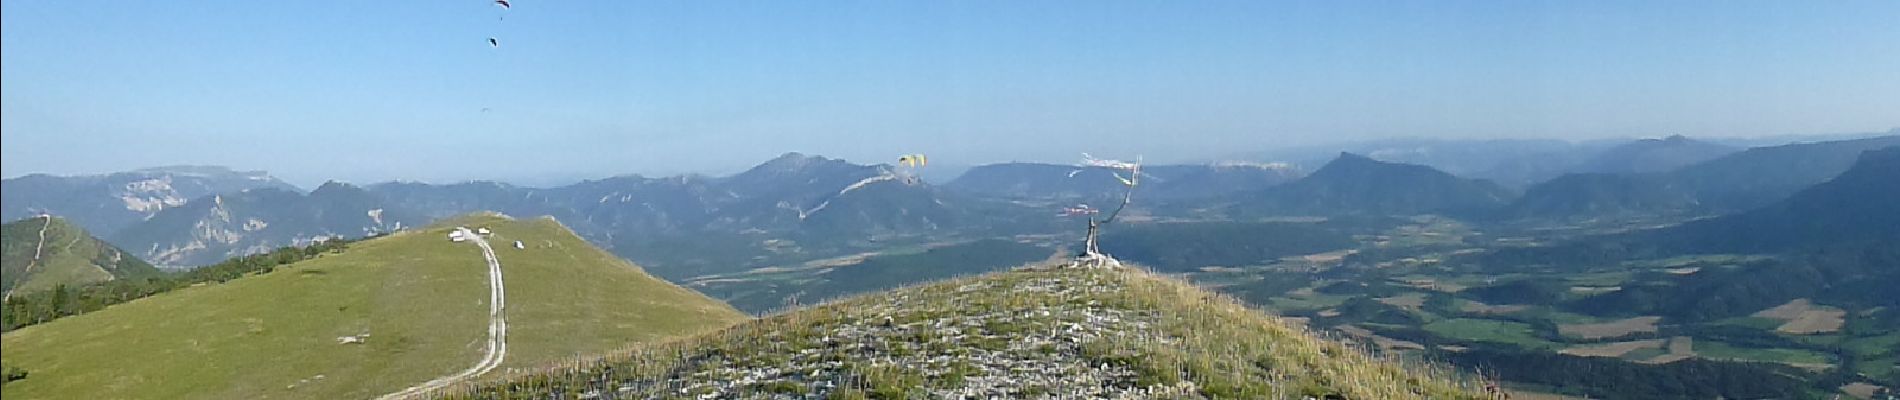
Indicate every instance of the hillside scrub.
{"type": "Point", "coordinates": [1030, 333]}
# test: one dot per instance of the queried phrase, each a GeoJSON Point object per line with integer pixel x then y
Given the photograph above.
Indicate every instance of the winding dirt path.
{"type": "Point", "coordinates": [36, 257]}
{"type": "Point", "coordinates": [497, 346]}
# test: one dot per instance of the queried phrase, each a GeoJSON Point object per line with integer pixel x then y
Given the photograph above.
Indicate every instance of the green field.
{"type": "Point", "coordinates": [1888, 344]}
{"type": "Point", "coordinates": [1600, 278]}
{"type": "Point", "coordinates": [1884, 367]}
{"type": "Point", "coordinates": [1645, 353]}
{"type": "Point", "coordinates": [1307, 303]}
{"type": "Point", "coordinates": [1766, 324]}
{"type": "Point", "coordinates": [422, 299]}
{"type": "Point", "coordinates": [1486, 330]}
{"type": "Point", "coordinates": [1721, 351]}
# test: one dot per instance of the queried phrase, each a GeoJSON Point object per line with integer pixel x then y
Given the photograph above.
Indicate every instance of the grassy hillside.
{"type": "Point", "coordinates": [421, 298]}
{"type": "Point", "coordinates": [41, 253]}
{"type": "Point", "coordinates": [1037, 333]}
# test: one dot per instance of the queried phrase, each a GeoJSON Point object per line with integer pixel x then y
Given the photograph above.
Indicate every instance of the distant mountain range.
{"type": "Point", "coordinates": [1763, 175]}
{"type": "Point", "coordinates": [794, 192]}
{"type": "Point", "coordinates": [1654, 155]}
{"type": "Point", "coordinates": [221, 226]}
{"type": "Point", "coordinates": [1598, 194]}
{"type": "Point", "coordinates": [1509, 162]}
{"type": "Point", "coordinates": [799, 206]}
{"type": "Point", "coordinates": [1356, 184]}
{"type": "Point", "coordinates": [1173, 182]}
{"type": "Point", "coordinates": [1860, 207]}
{"type": "Point", "coordinates": [795, 205]}
{"type": "Point", "coordinates": [1736, 182]}
{"type": "Point", "coordinates": [1522, 162]}
{"type": "Point", "coordinates": [1861, 204]}
{"type": "Point", "coordinates": [44, 252]}
{"type": "Point", "coordinates": [110, 202]}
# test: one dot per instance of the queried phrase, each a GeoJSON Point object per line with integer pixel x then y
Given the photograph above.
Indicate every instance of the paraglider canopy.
{"type": "Point", "coordinates": [503, 3]}
{"type": "Point", "coordinates": [908, 165]}
{"type": "Point", "coordinates": [493, 43]}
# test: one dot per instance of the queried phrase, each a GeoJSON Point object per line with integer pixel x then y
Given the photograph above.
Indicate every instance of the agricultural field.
{"type": "Point", "coordinates": [1424, 287]}
{"type": "Point", "coordinates": [1802, 317]}
{"type": "Point", "coordinates": [1611, 329]}
{"type": "Point", "coordinates": [1487, 330]}
{"type": "Point", "coordinates": [1617, 349]}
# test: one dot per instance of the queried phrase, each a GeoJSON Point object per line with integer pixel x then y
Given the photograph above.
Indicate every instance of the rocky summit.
{"type": "Point", "coordinates": [1032, 333]}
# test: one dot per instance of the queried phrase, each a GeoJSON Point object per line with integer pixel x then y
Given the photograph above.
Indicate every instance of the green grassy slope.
{"type": "Point", "coordinates": [1030, 333]}
{"type": "Point", "coordinates": [422, 299]}
{"type": "Point", "coordinates": [67, 256]}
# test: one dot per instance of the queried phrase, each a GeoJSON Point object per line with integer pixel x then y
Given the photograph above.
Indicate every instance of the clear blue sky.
{"type": "Point", "coordinates": [374, 90]}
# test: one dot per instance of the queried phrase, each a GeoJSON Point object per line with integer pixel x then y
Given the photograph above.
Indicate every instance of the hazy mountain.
{"type": "Point", "coordinates": [795, 206]}
{"type": "Point", "coordinates": [1763, 175]}
{"type": "Point", "coordinates": [1777, 140]}
{"type": "Point", "coordinates": [1595, 194]}
{"type": "Point", "coordinates": [633, 205]}
{"type": "Point", "coordinates": [1167, 182]}
{"type": "Point", "coordinates": [1355, 184]}
{"type": "Point", "coordinates": [1035, 181]}
{"type": "Point", "coordinates": [1655, 155]}
{"type": "Point", "coordinates": [216, 227]}
{"type": "Point", "coordinates": [44, 252]}
{"type": "Point", "coordinates": [107, 203]}
{"type": "Point", "coordinates": [1185, 182]}
{"type": "Point", "coordinates": [1731, 183]}
{"type": "Point", "coordinates": [446, 200]}
{"type": "Point", "coordinates": [1510, 162]}
{"type": "Point", "coordinates": [1522, 162]}
{"type": "Point", "coordinates": [789, 193]}
{"type": "Point", "coordinates": [782, 194]}
{"type": "Point", "coordinates": [1861, 204]}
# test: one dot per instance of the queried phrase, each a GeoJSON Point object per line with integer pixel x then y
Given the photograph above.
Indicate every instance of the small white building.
{"type": "Point", "coordinates": [518, 245]}
{"type": "Point", "coordinates": [483, 231]}
{"type": "Point", "coordinates": [456, 235]}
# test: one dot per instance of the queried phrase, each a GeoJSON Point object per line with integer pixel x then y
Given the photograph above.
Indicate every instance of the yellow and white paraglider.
{"type": "Point", "coordinates": [908, 166]}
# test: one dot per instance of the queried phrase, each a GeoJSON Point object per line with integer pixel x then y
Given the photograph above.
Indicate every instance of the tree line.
{"type": "Point", "coordinates": [67, 300]}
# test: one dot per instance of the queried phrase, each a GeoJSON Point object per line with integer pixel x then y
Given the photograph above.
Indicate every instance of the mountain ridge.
{"type": "Point", "coordinates": [220, 226]}
{"type": "Point", "coordinates": [1356, 184]}
{"type": "Point", "coordinates": [106, 203]}
{"type": "Point", "coordinates": [46, 252]}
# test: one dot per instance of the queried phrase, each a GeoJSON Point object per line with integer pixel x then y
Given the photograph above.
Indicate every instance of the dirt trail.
{"type": "Point", "coordinates": [36, 257]}
{"type": "Point", "coordinates": [497, 346]}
